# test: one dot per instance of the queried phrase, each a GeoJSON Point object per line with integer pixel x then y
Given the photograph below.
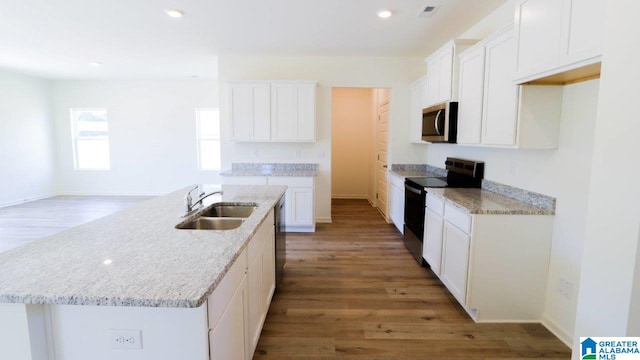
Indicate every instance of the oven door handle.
{"type": "Point", "coordinates": [413, 190]}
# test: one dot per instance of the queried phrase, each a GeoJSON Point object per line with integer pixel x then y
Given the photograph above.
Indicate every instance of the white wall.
{"type": "Point", "coordinates": [152, 134]}
{"type": "Point", "coordinates": [563, 173]}
{"type": "Point", "coordinates": [610, 249]}
{"type": "Point", "coordinates": [372, 72]}
{"type": "Point", "coordinates": [352, 120]}
{"type": "Point", "coordinates": [27, 154]}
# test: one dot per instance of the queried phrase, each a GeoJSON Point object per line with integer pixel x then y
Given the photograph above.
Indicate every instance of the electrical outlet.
{"type": "Point", "coordinates": [298, 153]}
{"type": "Point", "coordinates": [126, 339]}
{"type": "Point", "coordinates": [565, 288]}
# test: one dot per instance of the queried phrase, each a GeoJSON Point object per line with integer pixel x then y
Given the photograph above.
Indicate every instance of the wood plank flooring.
{"type": "Point", "coordinates": [352, 291]}
{"type": "Point", "coordinates": [30, 221]}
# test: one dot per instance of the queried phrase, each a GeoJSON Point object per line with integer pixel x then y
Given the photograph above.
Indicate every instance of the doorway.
{"type": "Point", "coordinates": [359, 145]}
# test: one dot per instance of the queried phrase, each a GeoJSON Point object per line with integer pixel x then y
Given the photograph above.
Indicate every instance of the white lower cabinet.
{"type": "Point", "coordinates": [396, 201]}
{"type": "Point", "coordinates": [238, 307]}
{"type": "Point", "coordinates": [494, 265]}
{"type": "Point", "coordinates": [432, 246]}
{"type": "Point", "coordinates": [299, 198]}
{"type": "Point", "coordinates": [455, 261]}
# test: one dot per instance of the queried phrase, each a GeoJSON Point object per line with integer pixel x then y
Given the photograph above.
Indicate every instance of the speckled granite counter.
{"type": "Point", "coordinates": [478, 201]}
{"type": "Point", "coordinates": [272, 169]}
{"type": "Point", "coordinates": [415, 170]}
{"type": "Point", "coordinates": [134, 257]}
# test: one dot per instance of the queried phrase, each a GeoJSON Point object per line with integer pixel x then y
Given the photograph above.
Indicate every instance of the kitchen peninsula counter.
{"type": "Point", "coordinates": [135, 257]}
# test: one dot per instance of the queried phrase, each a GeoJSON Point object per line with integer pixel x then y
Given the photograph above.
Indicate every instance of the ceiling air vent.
{"type": "Point", "coordinates": [427, 11]}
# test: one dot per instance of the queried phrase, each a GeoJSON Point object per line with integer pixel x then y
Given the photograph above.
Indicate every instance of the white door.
{"type": "Point", "coordinates": [383, 136]}
{"type": "Point", "coordinates": [227, 339]}
{"type": "Point", "coordinates": [250, 112]}
{"type": "Point", "coordinates": [446, 73]}
{"type": "Point", "coordinates": [299, 202]}
{"type": "Point", "coordinates": [583, 30]}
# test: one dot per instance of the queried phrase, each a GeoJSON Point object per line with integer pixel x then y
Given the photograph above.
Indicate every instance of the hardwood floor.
{"type": "Point", "coordinates": [30, 221]}
{"type": "Point", "coordinates": [352, 291]}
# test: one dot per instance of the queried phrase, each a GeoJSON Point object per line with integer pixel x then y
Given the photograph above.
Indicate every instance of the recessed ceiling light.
{"type": "Point", "coordinates": [174, 13]}
{"type": "Point", "coordinates": [95, 64]}
{"type": "Point", "coordinates": [384, 13]}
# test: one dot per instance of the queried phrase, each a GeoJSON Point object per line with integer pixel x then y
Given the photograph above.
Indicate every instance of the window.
{"type": "Point", "coordinates": [208, 129]}
{"type": "Point", "coordinates": [90, 132]}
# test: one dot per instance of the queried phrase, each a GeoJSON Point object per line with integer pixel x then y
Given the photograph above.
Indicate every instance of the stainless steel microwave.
{"type": "Point", "coordinates": [440, 123]}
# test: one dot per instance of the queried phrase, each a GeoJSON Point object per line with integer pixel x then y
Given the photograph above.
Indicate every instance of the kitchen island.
{"type": "Point", "coordinates": [132, 286]}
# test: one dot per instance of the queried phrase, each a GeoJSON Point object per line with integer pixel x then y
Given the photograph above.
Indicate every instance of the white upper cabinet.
{"type": "Point", "coordinates": [471, 95]}
{"type": "Point", "coordinates": [442, 72]}
{"type": "Point", "coordinates": [250, 111]}
{"type": "Point", "coordinates": [293, 107]}
{"type": "Point", "coordinates": [272, 111]}
{"type": "Point", "coordinates": [493, 111]}
{"type": "Point", "coordinates": [417, 102]}
{"type": "Point", "coordinates": [500, 94]}
{"type": "Point", "coordinates": [558, 37]}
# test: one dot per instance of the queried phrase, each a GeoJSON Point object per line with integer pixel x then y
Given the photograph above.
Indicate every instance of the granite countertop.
{"type": "Point", "coordinates": [416, 170]}
{"type": "Point", "coordinates": [135, 257]}
{"type": "Point", "coordinates": [413, 173]}
{"type": "Point", "coordinates": [272, 169]}
{"type": "Point", "coordinates": [478, 201]}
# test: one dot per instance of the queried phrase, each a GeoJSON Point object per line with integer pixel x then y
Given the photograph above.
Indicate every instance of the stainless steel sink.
{"type": "Point", "coordinates": [229, 210]}
{"type": "Point", "coordinates": [210, 223]}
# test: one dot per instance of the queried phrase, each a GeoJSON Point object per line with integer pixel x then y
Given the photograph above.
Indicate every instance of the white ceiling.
{"type": "Point", "coordinates": [136, 39]}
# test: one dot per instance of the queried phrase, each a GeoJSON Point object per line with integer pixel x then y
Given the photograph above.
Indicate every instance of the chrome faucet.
{"type": "Point", "coordinates": [189, 204]}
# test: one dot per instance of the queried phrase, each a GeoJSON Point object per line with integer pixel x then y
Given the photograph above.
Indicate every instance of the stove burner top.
{"type": "Point", "coordinates": [432, 182]}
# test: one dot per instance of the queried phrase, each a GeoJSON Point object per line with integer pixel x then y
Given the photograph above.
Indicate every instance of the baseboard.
{"type": "Point", "coordinates": [556, 330]}
{"type": "Point", "coordinates": [371, 202]}
{"type": "Point", "coordinates": [349, 197]}
{"type": "Point", "coordinates": [325, 220]}
{"type": "Point", "coordinates": [21, 201]}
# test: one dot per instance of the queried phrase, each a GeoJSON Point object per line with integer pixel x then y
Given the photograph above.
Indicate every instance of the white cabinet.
{"type": "Point", "coordinates": [238, 307]}
{"type": "Point", "coordinates": [272, 111]}
{"type": "Point", "coordinates": [249, 110]}
{"type": "Point", "coordinates": [260, 280]}
{"type": "Point", "coordinates": [293, 111]}
{"type": "Point", "coordinates": [299, 198]}
{"type": "Point", "coordinates": [455, 261]}
{"type": "Point", "coordinates": [470, 253]}
{"type": "Point", "coordinates": [417, 102]}
{"type": "Point", "coordinates": [495, 112]}
{"type": "Point", "coordinates": [558, 36]}
{"type": "Point", "coordinates": [470, 98]}
{"type": "Point", "coordinates": [442, 72]}
{"type": "Point", "coordinates": [396, 201]}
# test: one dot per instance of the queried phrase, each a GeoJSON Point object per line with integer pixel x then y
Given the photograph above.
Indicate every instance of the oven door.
{"type": "Point", "coordinates": [414, 208]}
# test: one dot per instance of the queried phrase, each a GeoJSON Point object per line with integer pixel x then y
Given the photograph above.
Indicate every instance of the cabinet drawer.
{"type": "Point", "coordinates": [291, 181]}
{"type": "Point", "coordinates": [218, 300]}
{"type": "Point", "coordinates": [458, 218]}
{"type": "Point", "coordinates": [260, 237]}
{"type": "Point", "coordinates": [435, 204]}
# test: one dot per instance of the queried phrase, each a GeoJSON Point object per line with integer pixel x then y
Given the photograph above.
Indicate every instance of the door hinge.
{"type": "Point", "coordinates": [376, 195]}
{"type": "Point", "coordinates": [378, 156]}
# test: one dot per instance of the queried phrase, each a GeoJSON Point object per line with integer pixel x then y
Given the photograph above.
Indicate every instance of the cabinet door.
{"type": "Point", "coordinates": [299, 206]}
{"type": "Point", "coordinates": [397, 207]}
{"type": "Point", "coordinates": [471, 96]}
{"type": "Point", "coordinates": [293, 112]}
{"type": "Point", "coordinates": [455, 261]}
{"type": "Point", "coordinates": [227, 339]}
{"type": "Point", "coordinates": [446, 75]}
{"type": "Point", "coordinates": [268, 271]}
{"type": "Point", "coordinates": [432, 247]}
{"type": "Point", "coordinates": [500, 94]}
{"type": "Point", "coordinates": [583, 30]}
{"type": "Point", "coordinates": [539, 28]}
{"type": "Point", "coordinates": [433, 81]}
{"type": "Point", "coordinates": [250, 112]}
{"type": "Point", "coordinates": [417, 102]}
{"type": "Point", "coordinates": [254, 301]}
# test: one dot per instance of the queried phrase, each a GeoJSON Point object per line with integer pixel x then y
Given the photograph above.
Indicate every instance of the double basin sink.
{"type": "Point", "coordinates": [220, 216]}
